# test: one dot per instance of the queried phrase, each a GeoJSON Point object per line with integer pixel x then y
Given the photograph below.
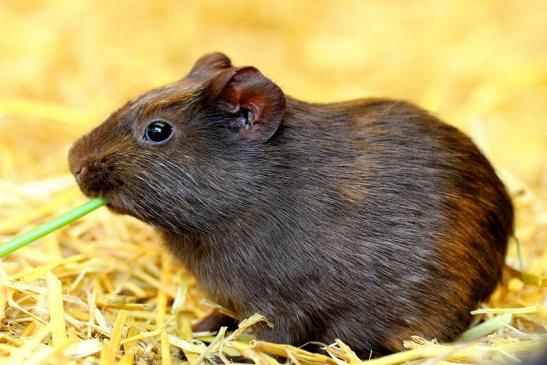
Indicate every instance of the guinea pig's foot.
{"type": "Point", "coordinates": [213, 322]}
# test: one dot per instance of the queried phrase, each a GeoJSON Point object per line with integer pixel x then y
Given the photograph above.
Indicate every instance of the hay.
{"type": "Point", "coordinates": [103, 291]}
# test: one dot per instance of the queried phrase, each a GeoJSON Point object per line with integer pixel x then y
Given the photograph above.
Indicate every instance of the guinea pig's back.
{"type": "Point", "coordinates": [467, 201]}
{"type": "Point", "coordinates": [431, 217]}
{"type": "Point", "coordinates": [475, 206]}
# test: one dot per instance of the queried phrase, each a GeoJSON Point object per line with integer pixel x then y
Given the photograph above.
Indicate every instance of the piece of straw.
{"type": "Point", "coordinates": [56, 310]}
{"type": "Point", "coordinates": [487, 327]}
{"type": "Point", "coordinates": [51, 226]}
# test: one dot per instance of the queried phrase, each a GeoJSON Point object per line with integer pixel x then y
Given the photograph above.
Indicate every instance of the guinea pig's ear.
{"type": "Point", "coordinates": [255, 102]}
{"type": "Point", "coordinates": [210, 62]}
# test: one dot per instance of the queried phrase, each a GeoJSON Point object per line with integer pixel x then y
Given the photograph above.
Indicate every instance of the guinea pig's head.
{"type": "Point", "coordinates": [186, 156]}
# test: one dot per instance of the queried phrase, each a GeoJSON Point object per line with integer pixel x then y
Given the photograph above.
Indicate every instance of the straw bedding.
{"type": "Point", "coordinates": [103, 291]}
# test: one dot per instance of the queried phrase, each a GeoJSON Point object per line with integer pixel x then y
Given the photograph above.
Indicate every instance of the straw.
{"type": "Point", "coordinates": [51, 226]}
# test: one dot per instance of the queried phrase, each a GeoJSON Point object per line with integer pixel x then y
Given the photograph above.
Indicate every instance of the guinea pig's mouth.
{"type": "Point", "coordinates": [103, 185]}
{"type": "Point", "coordinates": [98, 177]}
{"type": "Point", "coordinates": [116, 205]}
{"type": "Point", "coordinates": [117, 209]}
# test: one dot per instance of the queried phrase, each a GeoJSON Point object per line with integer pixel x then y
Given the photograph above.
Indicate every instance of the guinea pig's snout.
{"type": "Point", "coordinates": [80, 170]}
{"type": "Point", "coordinates": [78, 167]}
{"type": "Point", "coordinates": [92, 175]}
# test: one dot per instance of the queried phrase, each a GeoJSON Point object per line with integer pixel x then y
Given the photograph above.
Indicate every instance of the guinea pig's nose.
{"type": "Point", "coordinates": [85, 168]}
{"type": "Point", "coordinates": [92, 175]}
{"type": "Point", "coordinates": [80, 171]}
{"type": "Point", "coordinates": [78, 166]}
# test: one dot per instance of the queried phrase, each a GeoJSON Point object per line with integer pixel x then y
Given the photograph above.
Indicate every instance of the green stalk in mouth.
{"type": "Point", "coordinates": [51, 226]}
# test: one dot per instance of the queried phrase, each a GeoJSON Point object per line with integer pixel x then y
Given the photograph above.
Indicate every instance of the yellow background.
{"type": "Point", "coordinates": [481, 65]}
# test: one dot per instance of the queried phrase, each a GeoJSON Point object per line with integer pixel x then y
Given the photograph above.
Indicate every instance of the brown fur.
{"type": "Point", "coordinates": [369, 220]}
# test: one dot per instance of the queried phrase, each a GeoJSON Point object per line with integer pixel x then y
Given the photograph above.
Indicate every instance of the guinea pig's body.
{"type": "Point", "coordinates": [369, 221]}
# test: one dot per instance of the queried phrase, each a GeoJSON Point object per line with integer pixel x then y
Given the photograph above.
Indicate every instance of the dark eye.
{"type": "Point", "coordinates": [158, 131]}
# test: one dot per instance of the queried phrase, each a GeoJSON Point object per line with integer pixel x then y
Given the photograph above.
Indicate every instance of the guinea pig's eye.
{"type": "Point", "coordinates": [158, 131]}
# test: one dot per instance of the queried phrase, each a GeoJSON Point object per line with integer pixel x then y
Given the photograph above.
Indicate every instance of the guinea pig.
{"type": "Point", "coordinates": [368, 221]}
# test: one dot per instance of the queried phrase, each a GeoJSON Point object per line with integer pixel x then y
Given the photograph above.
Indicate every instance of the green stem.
{"type": "Point", "coordinates": [487, 327]}
{"type": "Point", "coordinates": [51, 226]}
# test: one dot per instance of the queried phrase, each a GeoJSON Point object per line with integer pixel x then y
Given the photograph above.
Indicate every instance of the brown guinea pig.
{"type": "Point", "coordinates": [368, 220]}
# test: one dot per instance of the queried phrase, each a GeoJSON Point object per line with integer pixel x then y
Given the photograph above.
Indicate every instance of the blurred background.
{"type": "Point", "coordinates": [480, 65]}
